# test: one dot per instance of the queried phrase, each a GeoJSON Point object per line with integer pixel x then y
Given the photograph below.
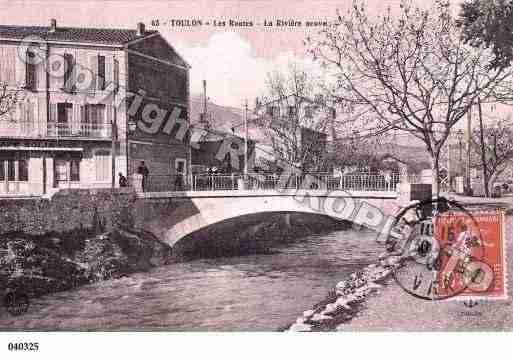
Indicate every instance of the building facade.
{"type": "Point", "coordinates": [83, 105]}
{"type": "Point", "coordinates": [300, 129]}
{"type": "Point", "coordinates": [220, 150]}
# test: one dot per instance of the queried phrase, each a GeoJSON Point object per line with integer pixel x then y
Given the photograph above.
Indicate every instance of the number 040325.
{"type": "Point", "coordinates": [23, 346]}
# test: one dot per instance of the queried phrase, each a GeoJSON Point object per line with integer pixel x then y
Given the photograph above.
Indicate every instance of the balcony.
{"type": "Point", "coordinates": [80, 130]}
{"type": "Point", "coordinates": [24, 129]}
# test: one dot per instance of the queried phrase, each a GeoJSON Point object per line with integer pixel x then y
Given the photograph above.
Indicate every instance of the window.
{"type": "Point", "coordinates": [23, 170]}
{"type": "Point", "coordinates": [95, 114]}
{"type": "Point", "coordinates": [64, 112]}
{"type": "Point", "coordinates": [292, 111]}
{"type": "Point", "coordinates": [74, 170]}
{"type": "Point", "coordinates": [319, 99]}
{"type": "Point", "coordinates": [14, 169]}
{"type": "Point", "coordinates": [101, 72]}
{"type": "Point", "coordinates": [30, 71]}
{"type": "Point", "coordinates": [67, 169]}
{"type": "Point", "coordinates": [103, 165]}
{"type": "Point", "coordinates": [308, 112]}
{"type": "Point", "coordinates": [11, 172]}
{"type": "Point", "coordinates": [180, 165]}
{"type": "Point", "coordinates": [273, 111]}
{"type": "Point", "coordinates": [116, 74]}
{"type": "Point", "coordinates": [68, 72]}
{"type": "Point", "coordinates": [95, 119]}
{"type": "Point", "coordinates": [61, 170]}
{"type": "Point", "coordinates": [64, 118]}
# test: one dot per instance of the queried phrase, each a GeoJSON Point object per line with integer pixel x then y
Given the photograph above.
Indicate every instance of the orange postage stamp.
{"type": "Point", "coordinates": [471, 259]}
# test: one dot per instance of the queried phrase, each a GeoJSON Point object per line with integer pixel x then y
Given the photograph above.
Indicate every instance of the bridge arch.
{"type": "Point", "coordinates": [191, 212]}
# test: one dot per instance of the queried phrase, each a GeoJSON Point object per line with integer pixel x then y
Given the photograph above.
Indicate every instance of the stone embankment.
{"type": "Point", "coordinates": [348, 297]}
{"type": "Point", "coordinates": [40, 264]}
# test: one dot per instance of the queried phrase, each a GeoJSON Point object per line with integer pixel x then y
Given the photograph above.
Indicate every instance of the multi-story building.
{"type": "Point", "coordinates": [89, 104]}
{"type": "Point", "coordinates": [215, 149]}
{"type": "Point", "coordinates": [300, 129]}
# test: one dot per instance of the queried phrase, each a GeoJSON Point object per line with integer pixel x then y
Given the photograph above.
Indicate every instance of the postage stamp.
{"type": "Point", "coordinates": [472, 255]}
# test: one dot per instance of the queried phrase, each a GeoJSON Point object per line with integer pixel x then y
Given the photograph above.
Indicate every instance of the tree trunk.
{"type": "Point", "coordinates": [483, 155]}
{"type": "Point", "coordinates": [435, 168]}
{"type": "Point", "coordinates": [489, 184]}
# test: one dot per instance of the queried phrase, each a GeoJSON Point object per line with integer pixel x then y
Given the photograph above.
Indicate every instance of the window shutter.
{"type": "Point", "coordinates": [109, 109]}
{"type": "Point", "coordinates": [115, 75]}
{"type": "Point", "coordinates": [20, 70]}
{"type": "Point", "coordinates": [52, 125]}
{"type": "Point", "coordinates": [30, 114]}
{"type": "Point", "coordinates": [75, 121]}
{"type": "Point", "coordinates": [53, 112]}
{"type": "Point", "coordinates": [93, 66]}
{"type": "Point", "coordinates": [109, 70]}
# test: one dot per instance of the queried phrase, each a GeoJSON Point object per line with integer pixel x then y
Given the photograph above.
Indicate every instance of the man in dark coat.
{"type": "Point", "coordinates": [145, 172]}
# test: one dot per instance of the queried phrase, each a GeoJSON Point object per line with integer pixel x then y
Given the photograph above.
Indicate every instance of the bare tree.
{"type": "Point", "coordinates": [356, 152]}
{"type": "Point", "coordinates": [295, 121]}
{"type": "Point", "coordinates": [492, 149]}
{"type": "Point", "coordinates": [411, 71]}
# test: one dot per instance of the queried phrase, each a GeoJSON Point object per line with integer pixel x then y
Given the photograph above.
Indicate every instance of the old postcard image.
{"type": "Point", "coordinates": [291, 166]}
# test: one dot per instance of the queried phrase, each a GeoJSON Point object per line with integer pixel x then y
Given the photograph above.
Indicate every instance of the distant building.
{"type": "Point", "coordinates": [220, 150]}
{"type": "Point", "coordinates": [67, 129]}
{"type": "Point", "coordinates": [299, 125]}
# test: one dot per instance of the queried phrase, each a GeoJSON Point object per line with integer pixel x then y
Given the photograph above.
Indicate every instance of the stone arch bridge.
{"type": "Point", "coordinates": [172, 216]}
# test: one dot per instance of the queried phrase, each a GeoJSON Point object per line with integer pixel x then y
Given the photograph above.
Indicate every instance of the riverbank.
{"type": "Point", "coordinates": [36, 265]}
{"type": "Point", "coordinates": [382, 305]}
{"type": "Point", "coordinates": [254, 292]}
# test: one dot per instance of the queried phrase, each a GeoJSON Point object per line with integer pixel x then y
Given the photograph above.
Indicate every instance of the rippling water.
{"type": "Point", "coordinates": [255, 292]}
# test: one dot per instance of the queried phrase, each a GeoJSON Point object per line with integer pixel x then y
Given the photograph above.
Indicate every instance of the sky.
{"type": "Point", "coordinates": [233, 60]}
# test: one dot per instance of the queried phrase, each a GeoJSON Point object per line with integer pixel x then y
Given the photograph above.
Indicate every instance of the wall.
{"type": "Point", "coordinates": [67, 210]}
{"type": "Point", "coordinates": [164, 78]}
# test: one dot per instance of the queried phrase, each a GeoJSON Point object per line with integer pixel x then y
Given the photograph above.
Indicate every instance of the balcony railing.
{"type": "Point", "coordinates": [22, 129]}
{"type": "Point", "coordinates": [86, 130]}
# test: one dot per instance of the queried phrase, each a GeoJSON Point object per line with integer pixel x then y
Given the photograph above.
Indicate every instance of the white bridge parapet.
{"type": "Point", "coordinates": [268, 193]}
{"type": "Point", "coordinates": [185, 212]}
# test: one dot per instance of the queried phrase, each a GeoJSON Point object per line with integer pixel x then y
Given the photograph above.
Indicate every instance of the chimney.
{"type": "Point", "coordinates": [53, 25]}
{"type": "Point", "coordinates": [140, 29]}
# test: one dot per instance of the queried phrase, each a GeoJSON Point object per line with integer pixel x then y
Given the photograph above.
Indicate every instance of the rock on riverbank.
{"type": "Point", "coordinates": [347, 299]}
{"type": "Point", "coordinates": [37, 265]}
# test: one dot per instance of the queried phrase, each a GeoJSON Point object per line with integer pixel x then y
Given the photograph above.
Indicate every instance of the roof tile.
{"type": "Point", "coordinates": [73, 34]}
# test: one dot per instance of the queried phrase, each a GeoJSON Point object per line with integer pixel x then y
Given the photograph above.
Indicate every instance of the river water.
{"type": "Point", "coordinates": [253, 292]}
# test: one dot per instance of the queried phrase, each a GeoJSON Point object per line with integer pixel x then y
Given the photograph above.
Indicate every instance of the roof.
{"type": "Point", "coordinates": [73, 34]}
{"type": "Point", "coordinates": [210, 135]}
{"type": "Point", "coordinates": [304, 98]}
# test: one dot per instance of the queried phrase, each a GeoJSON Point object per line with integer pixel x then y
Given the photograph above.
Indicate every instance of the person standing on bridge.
{"type": "Point", "coordinates": [145, 172]}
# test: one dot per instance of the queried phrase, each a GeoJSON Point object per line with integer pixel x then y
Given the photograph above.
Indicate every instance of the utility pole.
{"type": "Point", "coordinates": [482, 147]}
{"type": "Point", "coordinates": [469, 128]}
{"type": "Point", "coordinates": [204, 117]}
{"type": "Point", "coordinates": [449, 185]}
{"type": "Point", "coordinates": [114, 134]}
{"type": "Point", "coordinates": [246, 140]}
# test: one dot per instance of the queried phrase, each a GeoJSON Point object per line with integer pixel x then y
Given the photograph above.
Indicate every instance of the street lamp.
{"type": "Point", "coordinates": [459, 136]}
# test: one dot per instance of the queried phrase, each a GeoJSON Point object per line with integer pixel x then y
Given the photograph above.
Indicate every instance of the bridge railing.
{"type": "Point", "coordinates": [254, 181]}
